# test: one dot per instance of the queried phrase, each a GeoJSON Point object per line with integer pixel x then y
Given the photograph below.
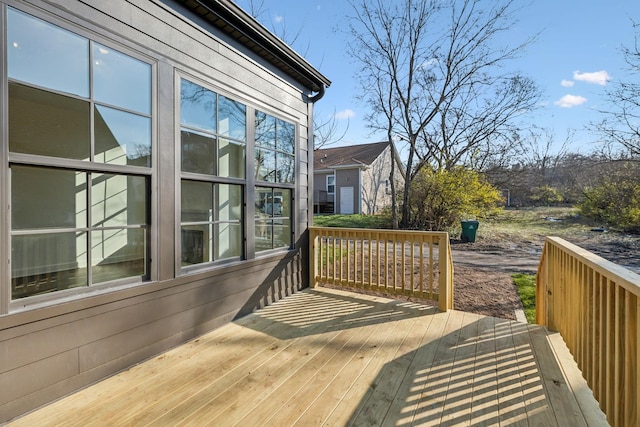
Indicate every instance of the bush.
{"type": "Point", "coordinates": [546, 195]}
{"type": "Point", "coordinates": [615, 202]}
{"type": "Point", "coordinates": [441, 198]}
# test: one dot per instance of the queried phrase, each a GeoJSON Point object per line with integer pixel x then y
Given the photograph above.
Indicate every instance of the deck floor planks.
{"type": "Point", "coordinates": [302, 384]}
{"type": "Point", "coordinates": [387, 368]}
{"type": "Point", "coordinates": [428, 410]}
{"type": "Point", "coordinates": [328, 357]}
{"type": "Point", "coordinates": [511, 405]}
{"type": "Point", "coordinates": [407, 397]}
{"type": "Point", "coordinates": [331, 382]}
{"type": "Point", "coordinates": [539, 411]}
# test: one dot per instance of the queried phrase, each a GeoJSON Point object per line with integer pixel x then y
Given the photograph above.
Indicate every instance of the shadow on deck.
{"type": "Point", "coordinates": [328, 357]}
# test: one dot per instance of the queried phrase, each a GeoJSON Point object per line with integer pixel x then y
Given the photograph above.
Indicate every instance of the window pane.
{"type": "Point", "coordinates": [286, 137]}
{"type": "Point", "coordinates": [43, 263]}
{"type": "Point", "coordinates": [47, 198]}
{"type": "Point", "coordinates": [122, 138]}
{"type": "Point", "coordinates": [198, 153]}
{"type": "Point", "coordinates": [284, 197]}
{"type": "Point", "coordinates": [265, 166]}
{"type": "Point", "coordinates": [121, 80]}
{"type": "Point", "coordinates": [232, 118]}
{"type": "Point", "coordinates": [196, 244]}
{"type": "Point", "coordinates": [197, 106]}
{"type": "Point", "coordinates": [231, 159]}
{"type": "Point", "coordinates": [116, 254]}
{"type": "Point", "coordinates": [264, 202]}
{"type": "Point", "coordinates": [281, 233]}
{"type": "Point", "coordinates": [229, 240]}
{"type": "Point", "coordinates": [229, 202]}
{"type": "Point", "coordinates": [197, 201]}
{"type": "Point", "coordinates": [264, 235]}
{"type": "Point", "coordinates": [46, 55]}
{"type": "Point", "coordinates": [118, 200]}
{"type": "Point", "coordinates": [286, 168]}
{"type": "Point", "coordinates": [47, 124]}
{"type": "Point", "coordinates": [265, 130]}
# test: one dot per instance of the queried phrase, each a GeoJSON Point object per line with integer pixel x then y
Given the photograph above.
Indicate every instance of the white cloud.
{"type": "Point", "coordinates": [597, 77]}
{"type": "Point", "coordinates": [345, 114]}
{"type": "Point", "coordinates": [567, 83]}
{"type": "Point", "coordinates": [278, 19]}
{"type": "Point", "coordinates": [569, 101]}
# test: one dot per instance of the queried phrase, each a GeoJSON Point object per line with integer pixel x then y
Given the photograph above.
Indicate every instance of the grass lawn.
{"type": "Point", "coordinates": [352, 221]}
{"type": "Point", "coordinates": [526, 287]}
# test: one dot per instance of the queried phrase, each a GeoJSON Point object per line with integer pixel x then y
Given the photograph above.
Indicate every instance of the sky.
{"type": "Point", "coordinates": [576, 57]}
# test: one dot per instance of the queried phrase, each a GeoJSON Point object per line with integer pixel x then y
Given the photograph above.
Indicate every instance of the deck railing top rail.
{"type": "Point", "coordinates": [397, 262]}
{"type": "Point", "coordinates": [595, 305]}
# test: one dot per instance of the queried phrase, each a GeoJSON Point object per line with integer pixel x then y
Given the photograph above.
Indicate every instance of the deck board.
{"type": "Point", "coordinates": [335, 358]}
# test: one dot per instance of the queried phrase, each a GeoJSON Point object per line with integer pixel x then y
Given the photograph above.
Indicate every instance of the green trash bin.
{"type": "Point", "coordinates": [469, 229]}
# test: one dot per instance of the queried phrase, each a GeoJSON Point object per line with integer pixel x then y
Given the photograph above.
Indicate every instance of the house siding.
{"type": "Point", "coordinates": [49, 351]}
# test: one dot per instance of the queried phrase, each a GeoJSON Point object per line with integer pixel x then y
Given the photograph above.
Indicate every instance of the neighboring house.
{"type": "Point", "coordinates": [153, 182]}
{"type": "Point", "coordinates": [354, 179]}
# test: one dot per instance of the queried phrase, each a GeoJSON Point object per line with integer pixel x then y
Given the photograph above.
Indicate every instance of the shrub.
{"type": "Point", "coordinates": [441, 198]}
{"type": "Point", "coordinates": [615, 202]}
{"type": "Point", "coordinates": [546, 195]}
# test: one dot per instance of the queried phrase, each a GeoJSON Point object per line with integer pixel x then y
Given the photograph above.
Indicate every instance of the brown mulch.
{"type": "Point", "coordinates": [483, 291]}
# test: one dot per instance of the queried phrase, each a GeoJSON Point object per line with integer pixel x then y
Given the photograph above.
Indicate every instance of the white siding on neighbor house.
{"type": "Point", "coordinates": [376, 188]}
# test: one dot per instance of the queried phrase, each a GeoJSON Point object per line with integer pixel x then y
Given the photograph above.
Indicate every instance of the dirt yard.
{"type": "Point", "coordinates": [483, 269]}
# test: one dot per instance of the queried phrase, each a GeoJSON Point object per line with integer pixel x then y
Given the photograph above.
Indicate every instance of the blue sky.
{"type": "Point", "coordinates": [577, 54]}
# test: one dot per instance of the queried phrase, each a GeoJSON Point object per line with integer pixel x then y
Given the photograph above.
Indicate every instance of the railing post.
{"type": "Point", "coordinates": [541, 287]}
{"type": "Point", "coordinates": [313, 259]}
{"type": "Point", "coordinates": [445, 291]}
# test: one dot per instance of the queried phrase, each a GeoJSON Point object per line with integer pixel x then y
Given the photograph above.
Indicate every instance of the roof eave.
{"type": "Point", "coordinates": [233, 20]}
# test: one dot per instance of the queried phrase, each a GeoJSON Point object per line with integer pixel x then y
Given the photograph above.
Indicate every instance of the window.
{"type": "Point", "coordinates": [331, 184]}
{"type": "Point", "coordinates": [211, 221]}
{"type": "Point", "coordinates": [273, 218]}
{"type": "Point", "coordinates": [274, 151]}
{"type": "Point", "coordinates": [80, 118]}
{"type": "Point", "coordinates": [274, 164]}
{"type": "Point", "coordinates": [212, 140]}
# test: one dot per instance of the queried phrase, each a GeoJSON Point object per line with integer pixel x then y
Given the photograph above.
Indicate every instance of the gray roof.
{"type": "Point", "coordinates": [361, 154]}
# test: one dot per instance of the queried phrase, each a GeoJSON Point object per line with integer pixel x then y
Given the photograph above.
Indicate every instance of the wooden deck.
{"type": "Point", "coordinates": [327, 357]}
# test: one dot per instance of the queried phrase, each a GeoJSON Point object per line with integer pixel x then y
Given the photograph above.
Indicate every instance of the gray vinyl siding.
{"type": "Point", "coordinates": [50, 351]}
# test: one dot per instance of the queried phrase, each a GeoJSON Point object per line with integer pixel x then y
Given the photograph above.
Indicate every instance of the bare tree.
{"type": "Point", "coordinates": [440, 66]}
{"type": "Point", "coordinates": [327, 131]}
{"type": "Point", "coordinates": [621, 123]}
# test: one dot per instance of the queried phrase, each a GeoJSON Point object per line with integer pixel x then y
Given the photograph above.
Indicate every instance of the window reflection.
{"type": "Point", "coordinates": [275, 149]}
{"type": "Point", "coordinates": [231, 118]}
{"type": "Point", "coordinates": [211, 222]}
{"type": "Point", "coordinates": [121, 80]}
{"type": "Point", "coordinates": [48, 124]}
{"type": "Point", "coordinates": [46, 55]}
{"type": "Point", "coordinates": [122, 138]}
{"type": "Point", "coordinates": [198, 152]}
{"type": "Point", "coordinates": [272, 218]}
{"type": "Point", "coordinates": [44, 198]}
{"type": "Point", "coordinates": [197, 106]}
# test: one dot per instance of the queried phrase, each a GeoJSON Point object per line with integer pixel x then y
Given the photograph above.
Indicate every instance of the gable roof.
{"type": "Point", "coordinates": [352, 155]}
{"type": "Point", "coordinates": [231, 19]}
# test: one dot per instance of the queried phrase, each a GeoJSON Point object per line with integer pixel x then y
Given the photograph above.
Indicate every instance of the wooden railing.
{"type": "Point", "coordinates": [410, 263]}
{"type": "Point", "coordinates": [595, 306]}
